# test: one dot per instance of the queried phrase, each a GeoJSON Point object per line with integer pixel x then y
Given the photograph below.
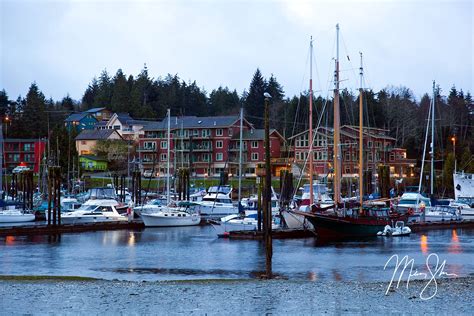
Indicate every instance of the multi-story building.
{"type": "Point", "coordinates": [87, 139]}
{"type": "Point", "coordinates": [206, 145]}
{"type": "Point", "coordinates": [25, 152]}
{"type": "Point", "coordinates": [125, 125]}
{"type": "Point", "coordinates": [80, 121]}
{"type": "Point", "coordinates": [378, 147]}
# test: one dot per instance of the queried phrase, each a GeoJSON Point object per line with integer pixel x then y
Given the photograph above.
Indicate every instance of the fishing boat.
{"type": "Point", "coordinates": [157, 214]}
{"type": "Point", "coordinates": [345, 221]}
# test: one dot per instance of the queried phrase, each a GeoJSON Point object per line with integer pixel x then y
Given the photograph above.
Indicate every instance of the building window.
{"type": "Point", "coordinates": [347, 156]}
{"type": "Point", "coordinates": [163, 157]}
{"type": "Point", "coordinates": [219, 144]}
{"type": "Point", "coordinates": [302, 141]}
{"type": "Point", "coordinates": [347, 170]}
{"type": "Point", "coordinates": [205, 157]}
{"type": "Point", "coordinates": [254, 156]}
{"type": "Point", "coordinates": [254, 144]}
{"type": "Point", "coordinates": [117, 127]}
{"type": "Point", "coordinates": [392, 156]}
{"type": "Point", "coordinates": [27, 147]}
{"type": "Point", "coordinates": [83, 142]}
{"type": "Point", "coordinates": [195, 132]}
{"type": "Point", "coordinates": [370, 157]}
{"type": "Point", "coordinates": [149, 145]}
{"type": "Point", "coordinates": [219, 132]}
{"type": "Point", "coordinates": [369, 144]}
{"type": "Point", "coordinates": [230, 131]}
{"type": "Point", "coordinates": [377, 144]}
{"type": "Point", "coordinates": [164, 144]}
{"type": "Point", "coordinates": [206, 133]}
{"type": "Point", "coordinates": [219, 157]}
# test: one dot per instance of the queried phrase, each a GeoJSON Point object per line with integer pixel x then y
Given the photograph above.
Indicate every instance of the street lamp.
{"type": "Point", "coordinates": [7, 120]}
{"type": "Point", "coordinates": [453, 139]}
{"type": "Point", "coordinates": [267, 210]}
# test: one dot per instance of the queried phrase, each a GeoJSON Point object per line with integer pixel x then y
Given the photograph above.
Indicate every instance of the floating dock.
{"type": "Point", "coordinates": [276, 234]}
{"type": "Point", "coordinates": [416, 227]}
{"type": "Point", "coordinates": [26, 230]}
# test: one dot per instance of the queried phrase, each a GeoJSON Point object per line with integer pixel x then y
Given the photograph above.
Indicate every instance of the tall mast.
{"type": "Point", "coordinates": [1, 157]}
{"type": "Point", "coordinates": [240, 151]}
{"type": "Point", "coordinates": [311, 197]}
{"type": "Point", "coordinates": [168, 160]}
{"type": "Point", "coordinates": [361, 137]}
{"type": "Point", "coordinates": [337, 122]}
{"type": "Point", "coordinates": [432, 138]}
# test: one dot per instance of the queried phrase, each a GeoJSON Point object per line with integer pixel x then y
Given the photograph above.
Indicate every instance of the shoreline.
{"type": "Point", "coordinates": [73, 295]}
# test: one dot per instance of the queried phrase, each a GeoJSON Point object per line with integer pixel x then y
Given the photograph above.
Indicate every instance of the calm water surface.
{"type": "Point", "coordinates": [196, 253]}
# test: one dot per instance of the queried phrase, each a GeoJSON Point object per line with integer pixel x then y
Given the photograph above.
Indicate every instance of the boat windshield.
{"type": "Point", "coordinates": [219, 189]}
{"type": "Point", "coordinates": [317, 188]}
{"type": "Point", "coordinates": [88, 208]}
{"type": "Point", "coordinates": [101, 193]}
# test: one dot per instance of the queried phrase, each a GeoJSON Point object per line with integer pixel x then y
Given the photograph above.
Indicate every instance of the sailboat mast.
{"type": "Point", "coordinates": [240, 151]}
{"type": "Point", "coordinates": [337, 123]}
{"type": "Point", "coordinates": [361, 137]}
{"type": "Point", "coordinates": [432, 139]}
{"type": "Point", "coordinates": [168, 160]}
{"type": "Point", "coordinates": [1, 158]}
{"type": "Point", "coordinates": [311, 197]}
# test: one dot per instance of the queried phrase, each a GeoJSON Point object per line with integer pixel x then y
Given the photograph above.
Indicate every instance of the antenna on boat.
{"type": "Point", "coordinates": [310, 173]}
{"type": "Point", "coordinates": [337, 122]}
{"type": "Point", "coordinates": [361, 136]}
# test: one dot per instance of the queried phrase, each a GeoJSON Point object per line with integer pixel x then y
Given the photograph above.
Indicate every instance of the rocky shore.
{"type": "Point", "coordinates": [39, 296]}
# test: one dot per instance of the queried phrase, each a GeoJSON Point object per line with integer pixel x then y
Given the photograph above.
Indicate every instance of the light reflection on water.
{"type": "Point", "coordinates": [195, 253]}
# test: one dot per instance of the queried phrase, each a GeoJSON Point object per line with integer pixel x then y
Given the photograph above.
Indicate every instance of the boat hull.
{"type": "Point", "coordinates": [296, 221]}
{"type": "Point", "coordinates": [19, 218]}
{"type": "Point", "coordinates": [90, 219]}
{"type": "Point", "coordinates": [158, 220]}
{"type": "Point", "coordinates": [333, 227]}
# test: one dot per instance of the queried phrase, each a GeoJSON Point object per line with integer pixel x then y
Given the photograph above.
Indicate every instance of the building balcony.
{"type": "Point", "coordinates": [237, 149]}
{"type": "Point", "coordinates": [146, 149]}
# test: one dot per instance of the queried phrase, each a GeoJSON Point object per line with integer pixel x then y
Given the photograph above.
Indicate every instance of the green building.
{"type": "Point", "coordinates": [93, 163]}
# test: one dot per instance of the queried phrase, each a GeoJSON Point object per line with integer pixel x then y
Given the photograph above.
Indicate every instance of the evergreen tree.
{"type": "Point", "coordinates": [90, 95]}
{"type": "Point", "coordinates": [67, 104]}
{"type": "Point", "coordinates": [140, 93]}
{"type": "Point", "coordinates": [254, 101]}
{"type": "Point", "coordinates": [34, 114]}
{"type": "Point", "coordinates": [121, 93]}
{"type": "Point", "coordinates": [222, 101]}
{"type": "Point", "coordinates": [103, 97]}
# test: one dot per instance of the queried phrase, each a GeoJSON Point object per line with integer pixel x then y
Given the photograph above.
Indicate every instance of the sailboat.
{"type": "Point", "coordinates": [169, 215]}
{"type": "Point", "coordinates": [9, 213]}
{"type": "Point", "coordinates": [347, 222]}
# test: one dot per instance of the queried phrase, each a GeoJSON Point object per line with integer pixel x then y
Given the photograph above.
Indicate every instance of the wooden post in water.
{"type": "Point", "coordinates": [259, 203]}
{"type": "Point", "coordinates": [54, 196]}
{"type": "Point", "coordinates": [267, 197]}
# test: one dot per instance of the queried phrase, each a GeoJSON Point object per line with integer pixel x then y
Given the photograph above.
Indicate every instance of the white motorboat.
{"type": "Point", "coordinates": [97, 211]}
{"type": "Point", "coordinates": [466, 212]}
{"type": "Point", "coordinates": [398, 230]}
{"type": "Point", "coordinates": [236, 222]}
{"type": "Point", "coordinates": [251, 203]}
{"type": "Point", "coordinates": [216, 203]}
{"type": "Point", "coordinates": [441, 213]}
{"type": "Point", "coordinates": [170, 216]}
{"type": "Point", "coordinates": [10, 214]}
{"type": "Point", "coordinates": [413, 203]}
{"type": "Point", "coordinates": [69, 204]}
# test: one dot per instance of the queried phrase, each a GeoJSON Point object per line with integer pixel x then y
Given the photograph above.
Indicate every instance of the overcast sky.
{"type": "Point", "coordinates": [62, 45]}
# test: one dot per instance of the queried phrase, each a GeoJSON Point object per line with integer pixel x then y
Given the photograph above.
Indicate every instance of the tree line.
{"type": "Point", "coordinates": [393, 108]}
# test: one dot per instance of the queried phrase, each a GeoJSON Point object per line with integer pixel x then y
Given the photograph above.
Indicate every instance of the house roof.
{"type": "Point", "coordinates": [351, 131]}
{"type": "Point", "coordinates": [94, 158]}
{"type": "Point", "coordinates": [125, 118]}
{"type": "Point", "coordinates": [194, 122]}
{"type": "Point", "coordinates": [96, 134]}
{"type": "Point", "coordinates": [94, 110]}
{"type": "Point", "coordinates": [255, 134]}
{"type": "Point", "coordinates": [76, 117]}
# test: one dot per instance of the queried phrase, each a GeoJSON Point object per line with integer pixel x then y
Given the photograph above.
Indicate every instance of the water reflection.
{"type": "Point", "coordinates": [424, 244]}
{"type": "Point", "coordinates": [455, 246]}
{"type": "Point", "coordinates": [196, 253]}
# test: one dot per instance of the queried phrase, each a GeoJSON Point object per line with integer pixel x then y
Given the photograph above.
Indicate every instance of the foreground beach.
{"type": "Point", "coordinates": [32, 295]}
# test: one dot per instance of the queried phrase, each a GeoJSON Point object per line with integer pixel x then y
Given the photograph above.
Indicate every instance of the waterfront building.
{"type": "Point", "coordinates": [208, 146]}
{"type": "Point", "coordinates": [93, 163]}
{"type": "Point", "coordinates": [87, 139]}
{"type": "Point", "coordinates": [80, 121]}
{"type": "Point", "coordinates": [379, 149]}
{"type": "Point", "coordinates": [25, 152]}
{"type": "Point", "coordinates": [125, 125]}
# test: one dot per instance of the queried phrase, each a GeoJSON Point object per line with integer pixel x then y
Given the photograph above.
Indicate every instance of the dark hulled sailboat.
{"type": "Point", "coordinates": [347, 222]}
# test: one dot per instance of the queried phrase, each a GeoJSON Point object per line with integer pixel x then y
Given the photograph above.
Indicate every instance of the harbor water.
{"type": "Point", "coordinates": [188, 253]}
